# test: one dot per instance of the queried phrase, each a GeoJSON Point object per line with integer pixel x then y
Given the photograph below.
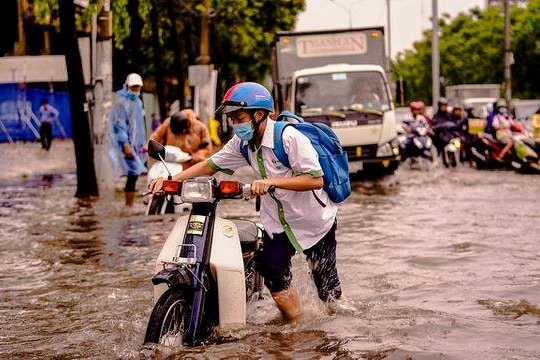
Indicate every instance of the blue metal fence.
{"type": "Point", "coordinates": [19, 105]}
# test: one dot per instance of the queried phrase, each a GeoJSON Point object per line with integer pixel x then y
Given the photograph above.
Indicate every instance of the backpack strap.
{"type": "Point", "coordinates": [279, 150]}
{"type": "Point", "coordinates": [286, 115]}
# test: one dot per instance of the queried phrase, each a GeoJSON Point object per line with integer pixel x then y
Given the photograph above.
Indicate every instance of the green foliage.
{"type": "Point", "coordinates": [121, 22]}
{"type": "Point", "coordinates": [241, 33]}
{"type": "Point", "coordinates": [471, 48]}
{"type": "Point", "coordinates": [244, 32]}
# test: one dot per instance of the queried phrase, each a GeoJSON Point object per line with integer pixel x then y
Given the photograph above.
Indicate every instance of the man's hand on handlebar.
{"type": "Point", "coordinates": [156, 185]}
{"type": "Point", "coordinates": [261, 187]}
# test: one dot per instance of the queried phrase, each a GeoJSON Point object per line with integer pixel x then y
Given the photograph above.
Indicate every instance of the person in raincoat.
{"type": "Point", "coordinates": [128, 135]}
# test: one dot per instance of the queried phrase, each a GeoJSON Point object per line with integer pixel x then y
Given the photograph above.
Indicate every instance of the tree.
{"type": "Point", "coordinates": [472, 49]}
{"type": "Point", "coordinates": [165, 42]}
{"type": "Point", "coordinates": [84, 151]}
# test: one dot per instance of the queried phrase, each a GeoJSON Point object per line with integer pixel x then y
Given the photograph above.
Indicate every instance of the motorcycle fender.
{"type": "Point", "coordinates": [227, 266]}
{"type": "Point", "coordinates": [450, 148]}
{"type": "Point", "coordinates": [176, 277]}
{"type": "Point", "coordinates": [168, 252]}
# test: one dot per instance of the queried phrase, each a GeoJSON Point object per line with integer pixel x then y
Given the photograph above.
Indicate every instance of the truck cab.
{"type": "Point", "coordinates": [354, 100]}
{"type": "Point", "coordinates": [338, 77]}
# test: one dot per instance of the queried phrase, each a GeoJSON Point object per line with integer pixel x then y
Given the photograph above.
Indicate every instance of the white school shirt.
{"type": "Point", "coordinates": [302, 214]}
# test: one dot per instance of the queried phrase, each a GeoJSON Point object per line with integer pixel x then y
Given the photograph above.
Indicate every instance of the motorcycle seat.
{"type": "Point", "coordinates": [250, 234]}
{"type": "Point", "coordinates": [489, 137]}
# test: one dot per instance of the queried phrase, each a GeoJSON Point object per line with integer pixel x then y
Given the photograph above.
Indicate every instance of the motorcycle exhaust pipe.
{"type": "Point", "coordinates": [478, 155]}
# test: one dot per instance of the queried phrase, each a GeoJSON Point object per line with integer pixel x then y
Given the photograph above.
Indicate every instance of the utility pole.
{"type": "Point", "coordinates": [508, 56]}
{"type": "Point", "coordinates": [389, 34]}
{"type": "Point", "coordinates": [204, 57]}
{"type": "Point", "coordinates": [203, 76]}
{"type": "Point", "coordinates": [435, 64]}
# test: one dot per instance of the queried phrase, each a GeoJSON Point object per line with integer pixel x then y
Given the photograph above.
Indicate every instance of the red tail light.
{"type": "Point", "coordinates": [229, 188]}
{"type": "Point", "coordinates": [171, 186]}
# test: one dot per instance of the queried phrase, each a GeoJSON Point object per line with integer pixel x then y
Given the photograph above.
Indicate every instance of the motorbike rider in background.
{"type": "Point", "coordinates": [293, 219]}
{"type": "Point", "coordinates": [442, 114]}
{"type": "Point", "coordinates": [449, 128]}
{"type": "Point", "coordinates": [418, 116]}
{"type": "Point", "coordinates": [186, 132]}
{"type": "Point", "coordinates": [503, 125]}
{"type": "Point", "coordinates": [418, 119]}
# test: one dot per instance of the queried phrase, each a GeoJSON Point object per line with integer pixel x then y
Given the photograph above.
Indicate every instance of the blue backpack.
{"type": "Point", "coordinates": [332, 157]}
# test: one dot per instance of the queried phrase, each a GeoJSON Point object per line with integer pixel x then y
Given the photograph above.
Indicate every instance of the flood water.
{"type": "Point", "coordinates": [439, 264]}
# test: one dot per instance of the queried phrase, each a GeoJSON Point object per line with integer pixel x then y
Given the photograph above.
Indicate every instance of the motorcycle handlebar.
{"type": "Point", "coordinates": [246, 190]}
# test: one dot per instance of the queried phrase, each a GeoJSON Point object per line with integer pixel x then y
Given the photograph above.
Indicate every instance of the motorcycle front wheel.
{"type": "Point", "coordinates": [169, 319]}
{"type": "Point", "coordinates": [452, 159]}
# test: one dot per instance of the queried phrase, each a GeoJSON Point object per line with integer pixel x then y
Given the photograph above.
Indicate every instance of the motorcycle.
{"type": "Point", "coordinates": [450, 142]}
{"type": "Point", "coordinates": [205, 273]}
{"type": "Point", "coordinates": [418, 144]}
{"type": "Point", "coordinates": [523, 157]}
{"type": "Point", "coordinates": [452, 152]}
{"type": "Point", "coordinates": [172, 165]}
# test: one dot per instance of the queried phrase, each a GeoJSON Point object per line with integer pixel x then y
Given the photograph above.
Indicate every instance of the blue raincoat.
{"type": "Point", "coordinates": [127, 124]}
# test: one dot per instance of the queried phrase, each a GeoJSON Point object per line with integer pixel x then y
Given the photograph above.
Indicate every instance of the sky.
{"type": "Point", "coordinates": [409, 18]}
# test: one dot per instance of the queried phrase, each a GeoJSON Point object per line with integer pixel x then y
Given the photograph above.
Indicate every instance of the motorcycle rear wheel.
{"type": "Point", "coordinates": [169, 319]}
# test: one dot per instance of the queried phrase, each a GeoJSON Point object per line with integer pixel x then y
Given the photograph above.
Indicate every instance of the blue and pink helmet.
{"type": "Point", "coordinates": [246, 95]}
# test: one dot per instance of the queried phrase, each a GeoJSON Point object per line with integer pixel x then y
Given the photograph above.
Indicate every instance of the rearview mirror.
{"type": "Point", "coordinates": [156, 150]}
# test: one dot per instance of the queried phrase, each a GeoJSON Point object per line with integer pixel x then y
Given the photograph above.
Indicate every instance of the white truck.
{"type": "Point", "coordinates": [478, 96]}
{"type": "Point", "coordinates": [338, 77]}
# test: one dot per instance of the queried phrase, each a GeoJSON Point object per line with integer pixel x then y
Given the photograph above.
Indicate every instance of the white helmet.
{"type": "Point", "coordinates": [134, 79]}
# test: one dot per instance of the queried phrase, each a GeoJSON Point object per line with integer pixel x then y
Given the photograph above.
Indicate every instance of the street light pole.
{"type": "Point", "coordinates": [348, 9]}
{"type": "Point", "coordinates": [507, 54]}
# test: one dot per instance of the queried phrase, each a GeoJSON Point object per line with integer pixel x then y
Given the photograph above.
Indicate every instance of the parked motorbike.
{"type": "Point", "coordinates": [418, 144]}
{"type": "Point", "coordinates": [205, 273]}
{"type": "Point", "coordinates": [172, 165]}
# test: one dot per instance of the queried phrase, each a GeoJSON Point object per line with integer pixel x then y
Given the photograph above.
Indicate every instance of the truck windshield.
{"type": "Point", "coordinates": [351, 91]}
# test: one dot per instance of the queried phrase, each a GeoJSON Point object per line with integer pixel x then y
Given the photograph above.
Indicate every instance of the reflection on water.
{"type": "Point", "coordinates": [437, 264]}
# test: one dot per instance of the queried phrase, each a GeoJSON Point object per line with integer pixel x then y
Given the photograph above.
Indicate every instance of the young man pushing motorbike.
{"type": "Point", "coordinates": [293, 217]}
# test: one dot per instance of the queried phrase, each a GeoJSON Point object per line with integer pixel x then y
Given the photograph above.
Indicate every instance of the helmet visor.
{"type": "Point", "coordinates": [229, 106]}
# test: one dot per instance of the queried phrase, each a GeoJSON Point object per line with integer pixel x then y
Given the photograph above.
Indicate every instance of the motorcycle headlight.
{"type": "Point", "coordinates": [197, 190]}
{"type": "Point", "coordinates": [457, 143]}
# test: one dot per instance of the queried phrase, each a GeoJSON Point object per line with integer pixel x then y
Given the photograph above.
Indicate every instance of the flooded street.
{"type": "Point", "coordinates": [440, 264]}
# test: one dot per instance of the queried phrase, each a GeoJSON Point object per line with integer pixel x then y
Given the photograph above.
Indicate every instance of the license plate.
{"type": "Point", "coordinates": [356, 166]}
{"type": "Point", "coordinates": [343, 124]}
